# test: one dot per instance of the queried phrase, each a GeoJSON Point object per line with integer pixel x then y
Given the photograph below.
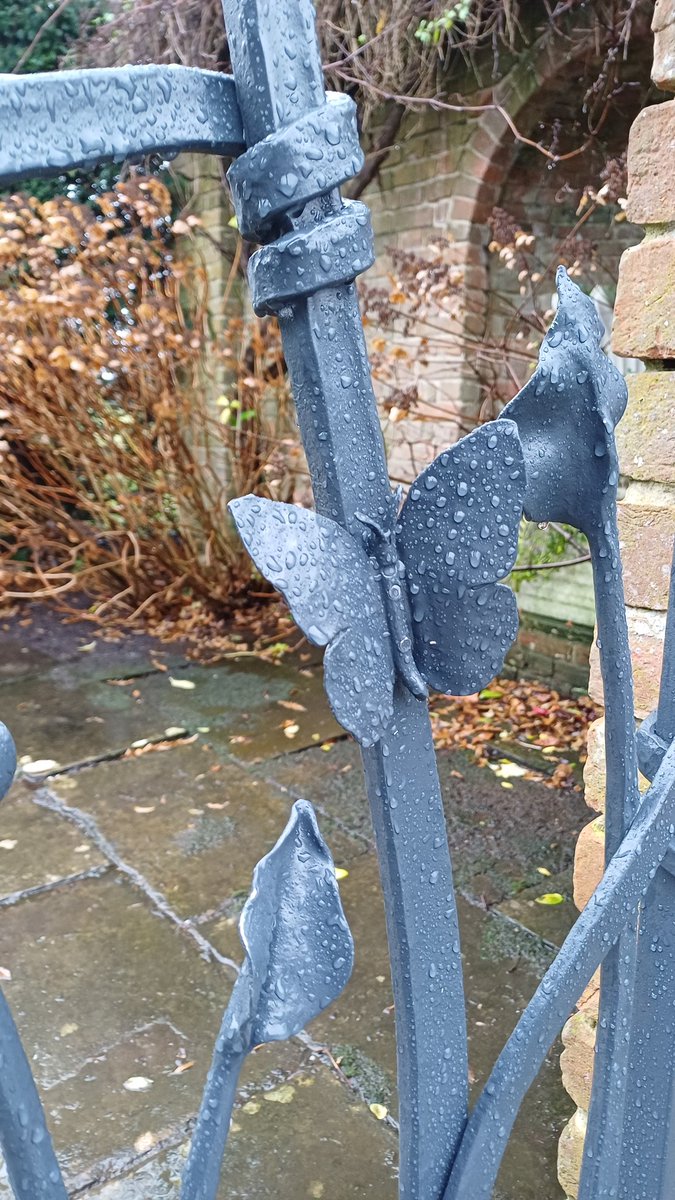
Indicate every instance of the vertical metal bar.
{"type": "Point", "coordinates": [647, 1133]}
{"type": "Point", "coordinates": [278, 76]}
{"type": "Point", "coordinates": [603, 1148]}
{"type": "Point", "coordinates": [645, 1139]}
{"type": "Point", "coordinates": [202, 1172]}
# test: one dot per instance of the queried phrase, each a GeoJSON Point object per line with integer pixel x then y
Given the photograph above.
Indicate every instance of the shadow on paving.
{"type": "Point", "coordinates": [122, 880]}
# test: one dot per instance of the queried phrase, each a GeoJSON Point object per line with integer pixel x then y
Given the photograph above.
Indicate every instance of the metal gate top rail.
{"type": "Point", "coordinates": [405, 597]}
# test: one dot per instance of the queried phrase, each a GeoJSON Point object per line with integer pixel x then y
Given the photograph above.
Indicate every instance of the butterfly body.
{"type": "Point", "coordinates": [414, 597]}
{"type": "Point", "coordinates": [390, 571]}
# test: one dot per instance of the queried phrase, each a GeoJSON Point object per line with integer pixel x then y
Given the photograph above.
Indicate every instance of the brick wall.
{"type": "Point", "coordinates": [644, 326]}
{"type": "Point", "coordinates": [443, 179]}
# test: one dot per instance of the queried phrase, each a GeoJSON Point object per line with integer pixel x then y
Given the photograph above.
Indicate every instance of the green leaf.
{"type": "Point", "coordinates": [550, 898]}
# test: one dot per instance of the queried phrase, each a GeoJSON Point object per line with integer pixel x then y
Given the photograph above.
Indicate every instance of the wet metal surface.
{"type": "Point", "coordinates": [60, 120]}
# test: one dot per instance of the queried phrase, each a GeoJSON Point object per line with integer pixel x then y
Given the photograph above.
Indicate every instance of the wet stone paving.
{"type": "Point", "coordinates": [150, 787]}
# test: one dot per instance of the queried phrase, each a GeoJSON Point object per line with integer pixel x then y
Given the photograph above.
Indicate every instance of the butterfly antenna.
{"type": "Point", "coordinates": [371, 524]}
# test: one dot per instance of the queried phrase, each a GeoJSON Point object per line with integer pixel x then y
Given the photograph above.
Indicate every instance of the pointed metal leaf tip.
{"type": "Point", "coordinates": [566, 414]}
{"type": "Point", "coordinates": [299, 950]}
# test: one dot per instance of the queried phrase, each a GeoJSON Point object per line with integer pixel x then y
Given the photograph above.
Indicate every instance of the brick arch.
{"type": "Point", "coordinates": [489, 156]}
{"type": "Point", "coordinates": [486, 161]}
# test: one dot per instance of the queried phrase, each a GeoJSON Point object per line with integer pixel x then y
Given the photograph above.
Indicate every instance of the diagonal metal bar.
{"type": "Point", "coordinates": [625, 882]}
{"type": "Point", "coordinates": [279, 83]}
{"type": "Point", "coordinates": [53, 122]}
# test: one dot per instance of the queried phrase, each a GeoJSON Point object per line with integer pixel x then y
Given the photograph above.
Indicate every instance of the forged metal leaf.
{"type": "Point", "coordinates": [566, 415]}
{"type": "Point", "coordinates": [458, 534]}
{"type": "Point", "coordinates": [330, 587]}
{"type": "Point", "coordinates": [298, 945]}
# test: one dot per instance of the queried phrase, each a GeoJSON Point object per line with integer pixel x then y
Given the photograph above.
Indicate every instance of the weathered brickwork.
{"type": "Point", "coordinates": [644, 327]}
{"type": "Point", "coordinates": [650, 164]}
{"type": "Point", "coordinates": [442, 181]}
{"type": "Point", "coordinates": [663, 25]}
{"type": "Point", "coordinates": [646, 434]}
{"type": "Point", "coordinates": [644, 324]}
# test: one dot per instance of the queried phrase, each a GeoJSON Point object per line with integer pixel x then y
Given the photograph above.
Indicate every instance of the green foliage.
{"type": "Point", "coordinates": [546, 544]}
{"type": "Point", "coordinates": [21, 21]}
{"type": "Point", "coordinates": [432, 32]}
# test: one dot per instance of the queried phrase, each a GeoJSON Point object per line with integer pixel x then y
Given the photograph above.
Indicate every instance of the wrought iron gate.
{"type": "Point", "coordinates": [404, 597]}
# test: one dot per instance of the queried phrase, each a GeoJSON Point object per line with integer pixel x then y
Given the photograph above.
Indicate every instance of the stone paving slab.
{"type": "Point", "coordinates": [73, 719]}
{"type": "Point", "coordinates": [37, 850]}
{"type": "Point", "coordinates": [193, 825]}
{"type": "Point", "coordinates": [105, 989]}
{"type": "Point", "coordinates": [43, 643]}
{"type": "Point", "coordinates": [303, 1137]}
{"type": "Point", "coordinates": [550, 921]}
{"type": "Point", "coordinates": [102, 985]}
{"type": "Point", "coordinates": [500, 976]}
{"type": "Point", "coordinates": [498, 837]}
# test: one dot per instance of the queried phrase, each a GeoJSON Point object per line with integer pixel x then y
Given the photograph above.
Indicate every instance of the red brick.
{"type": "Point", "coordinates": [646, 550]}
{"type": "Point", "coordinates": [589, 861]}
{"type": "Point", "coordinates": [651, 149]}
{"type": "Point", "coordinates": [664, 15]}
{"type": "Point", "coordinates": [645, 635]}
{"type": "Point", "coordinates": [594, 767]}
{"type": "Point", "coordinates": [646, 433]}
{"type": "Point", "coordinates": [663, 24]}
{"type": "Point", "coordinates": [570, 1154]}
{"type": "Point", "coordinates": [644, 313]}
{"type": "Point", "coordinates": [576, 1060]}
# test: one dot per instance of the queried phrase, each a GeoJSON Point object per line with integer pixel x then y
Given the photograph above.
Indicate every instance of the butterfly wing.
{"type": "Point", "coordinates": [458, 534]}
{"type": "Point", "coordinates": [325, 577]}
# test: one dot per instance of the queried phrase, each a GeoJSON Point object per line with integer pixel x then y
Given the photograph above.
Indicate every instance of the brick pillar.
{"type": "Point", "coordinates": [644, 327]}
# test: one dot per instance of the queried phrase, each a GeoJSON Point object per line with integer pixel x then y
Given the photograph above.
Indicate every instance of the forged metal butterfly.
{"type": "Point", "coordinates": [416, 597]}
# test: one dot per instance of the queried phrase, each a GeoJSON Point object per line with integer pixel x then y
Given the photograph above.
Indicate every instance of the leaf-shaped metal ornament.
{"type": "Point", "coordinates": [299, 949]}
{"type": "Point", "coordinates": [299, 957]}
{"type": "Point", "coordinates": [566, 415]}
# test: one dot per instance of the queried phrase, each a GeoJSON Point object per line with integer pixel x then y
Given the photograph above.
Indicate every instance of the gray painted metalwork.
{"type": "Point", "coordinates": [279, 82]}
{"type": "Point", "coordinates": [566, 417]}
{"type": "Point", "coordinates": [299, 957]}
{"type": "Point", "coordinates": [405, 596]}
{"type": "Point", "coordinates": [54, 122]}
{"type": "Point", "coordinates": [385, 601]}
